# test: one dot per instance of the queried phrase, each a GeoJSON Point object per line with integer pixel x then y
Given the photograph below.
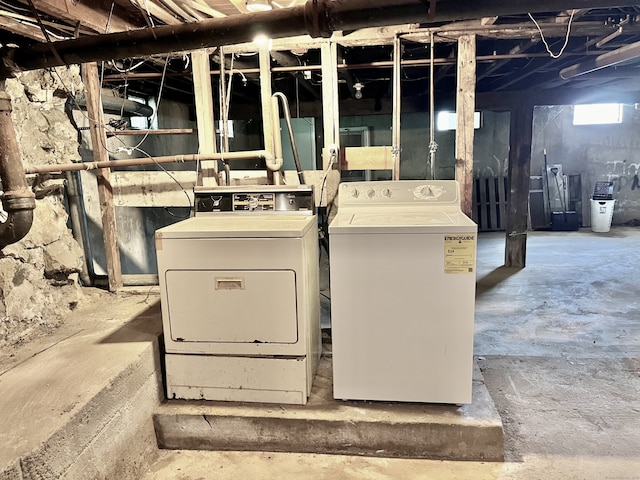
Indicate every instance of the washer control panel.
{"type": "Point", "coordinates": [262, 198]}
{"type": "Point", "coordinates": [441, 192]}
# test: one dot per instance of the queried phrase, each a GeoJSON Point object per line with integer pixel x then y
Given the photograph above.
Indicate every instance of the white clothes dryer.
{"type": "Point", "coordinates": [240, 297]}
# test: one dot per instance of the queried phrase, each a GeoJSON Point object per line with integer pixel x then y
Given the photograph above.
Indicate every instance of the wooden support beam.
{"type": "Point", "coordinates": [488, 20]}
{"type": "Point", "coordinates": [105, 191]}
{"type": "Point", "coordinates": [269, 129]}
{"type": "Point", "coordinates": [520, 138]}
{"type": "Point", "coordinates": [367, 158]}
{"type": "Point", "coordinates": [204, 115]}
{"type": "Point", "coordinates": [330, 107]}
{"type": "Point", "coordinates": [465, 108]}
{"type": "Point", "coordinates": [160, 188]}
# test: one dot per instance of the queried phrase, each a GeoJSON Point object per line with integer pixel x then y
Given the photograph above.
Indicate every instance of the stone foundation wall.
{"type": "Point", "coordinates": [38, 275]}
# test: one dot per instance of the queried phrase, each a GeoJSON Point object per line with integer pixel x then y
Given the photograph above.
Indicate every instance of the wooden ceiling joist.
{"type": "Point", "coordinates": [21, 28]}
{"type": "Point", "coordinates": [181, 10]}
{"type": "Point", "coordinates": [151, 8]}
{"type": "Point", "coordinates": [203, 7]}
{"type": "Point", "coordinates": [95, 17]}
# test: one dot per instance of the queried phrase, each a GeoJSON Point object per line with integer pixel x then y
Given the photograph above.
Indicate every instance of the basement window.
{"type": "Point", "coordinates": [138, 122]}
{"type": "Point", "coordinates": [449, 120]}
{"type": "Point", "coordinates": [597, 114]}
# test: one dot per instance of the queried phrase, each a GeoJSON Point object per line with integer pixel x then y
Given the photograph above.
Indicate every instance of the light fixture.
{"type": "Point", "coordinates": [258, 5]}
{"type": "Point", "coordinates": [262, 41]}
{"type": "Point", "coordinates": [357, 87]}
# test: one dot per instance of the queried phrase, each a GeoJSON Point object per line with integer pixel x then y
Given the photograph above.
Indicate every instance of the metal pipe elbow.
{"type": "Point", "coordinates": [19, 206]}
{"type": "Point", "coordinates": [16, 227]}
{"type": "Point", "coordinates": [272, 162]}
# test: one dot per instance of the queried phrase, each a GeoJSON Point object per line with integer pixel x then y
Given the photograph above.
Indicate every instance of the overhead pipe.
{"type": "Point", "coordinates": [17, 198]}
{"type": "Point", "coordinates": [134, 162]}
{"type": "Point", "coordinates": [319, 18]}
{"type": "Point", "coordinates": [287, 116]}
{"type": "Point", "coordinates": [609, 59]}
{"type": "Point", "coordinates": [278, 161]}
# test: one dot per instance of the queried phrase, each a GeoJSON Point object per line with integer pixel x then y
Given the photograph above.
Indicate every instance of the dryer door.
{"type": "Point", "coordinates": [232, 306]}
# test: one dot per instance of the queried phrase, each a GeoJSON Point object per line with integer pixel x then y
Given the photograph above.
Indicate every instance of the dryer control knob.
{"type": "Point", "coordinates": [355, 193]}
{"type": "Point", "coordinates": [386, 192]}
{"type": "Point", "coordinates": [371, 193]}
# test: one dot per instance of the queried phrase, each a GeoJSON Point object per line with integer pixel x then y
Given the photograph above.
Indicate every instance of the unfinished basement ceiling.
{"type": "Point", "coordinates": [512, 54]}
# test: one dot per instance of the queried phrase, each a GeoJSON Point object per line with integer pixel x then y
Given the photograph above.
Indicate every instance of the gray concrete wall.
{"type": "Point", "coordinates": [596, 152]}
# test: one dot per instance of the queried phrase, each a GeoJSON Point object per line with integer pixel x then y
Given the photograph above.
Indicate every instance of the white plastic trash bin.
{"type": "Point", "coordinates": [601, 215]}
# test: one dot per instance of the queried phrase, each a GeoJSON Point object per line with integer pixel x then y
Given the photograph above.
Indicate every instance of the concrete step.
{"type": "Point", "coordinates": [78, 404]}
{"type": "Point", "coordinates": [325, 425]}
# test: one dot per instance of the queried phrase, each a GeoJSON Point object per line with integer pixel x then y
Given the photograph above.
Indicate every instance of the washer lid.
{"type": "Point", "coordinates": [401, 222]}
{"type": "Point", "coordinates": [236, 226]}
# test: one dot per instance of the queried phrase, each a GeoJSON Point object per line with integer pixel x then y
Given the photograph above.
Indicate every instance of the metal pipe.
{"type": "Point", "coordinates": [77, 224]}
{"type": "Point", "coordinates": [17, 198]}
{"type": "Point", "coordinates": [345, 15]}
{"type": "Point", "coordinates": [433, 146]}
{"type": "Point", "coordinates": [277, 141]}
{"type": "Point", "coordinates": [614, 57]}
{"type": "Point", "coordinates": [397, 101]}
{"type": "Point", "coordinates": [316, 17]}
{"type": "Point", "coordinates": [356, 66]}
{"type": "Point", "coordinates": [601, 43]}
{"type": "Point", "coordinates": [224, 117]}
{"type": "Point", "coordinates": [294, 148]}
{"type": "Point", "coordinates": [132, 162]}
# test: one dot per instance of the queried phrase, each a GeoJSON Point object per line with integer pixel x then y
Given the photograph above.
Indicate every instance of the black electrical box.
{"type": "Point", "coordinates": [564, 221]}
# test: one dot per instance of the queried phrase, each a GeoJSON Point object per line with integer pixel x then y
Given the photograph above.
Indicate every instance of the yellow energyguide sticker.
{"type": "Point", "coordinates": [459, 253]}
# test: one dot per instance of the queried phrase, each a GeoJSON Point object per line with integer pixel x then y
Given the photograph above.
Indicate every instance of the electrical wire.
{"type": "Point", "coordinates": [566, 40]}
{"type": "Point", "coordinates": [184, 190]}
{"type": "Point", "coordinates": [126, 70]}
{"type": "Point", "coordinates": [146, 6]}
{"type": "Point", "coordinates": [125, 148]}
{"type": "Point", "coordinates": [106, 28]}
{"type": "Point", "coordinates": [155, 113]}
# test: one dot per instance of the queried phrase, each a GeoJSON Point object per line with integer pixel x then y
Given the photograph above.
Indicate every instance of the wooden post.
{"type": "Point", "coordinates": [397, 102]}
{"type": "Point", "coordinates": [105, 191]}
{"type": "Point", "coordinates": [201, 70]}
{"type": "Point", "coordinates": [520, 138]}
{"type": "Point", "coordinates": [330, 97]}
{"type": "Point", "coordinates": [465, 110]}
{"type": "Point", "coordinates": [268, 127]}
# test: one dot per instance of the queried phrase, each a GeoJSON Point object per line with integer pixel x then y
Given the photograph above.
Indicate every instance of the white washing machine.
{"type": "Point", "coordinates": [239, 293]}
{"type": "Point", "coordinates": [402, 262]}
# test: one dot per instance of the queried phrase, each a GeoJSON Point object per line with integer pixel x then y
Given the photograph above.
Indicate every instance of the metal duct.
{"type": "Point", "coordinates": [117, 105]}
{"type": "Point", "coordinates": [17, 198]}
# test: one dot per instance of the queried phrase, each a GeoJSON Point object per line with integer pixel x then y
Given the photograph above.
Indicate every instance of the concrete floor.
{"type": "Point", "coordinates": [559, 345]}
